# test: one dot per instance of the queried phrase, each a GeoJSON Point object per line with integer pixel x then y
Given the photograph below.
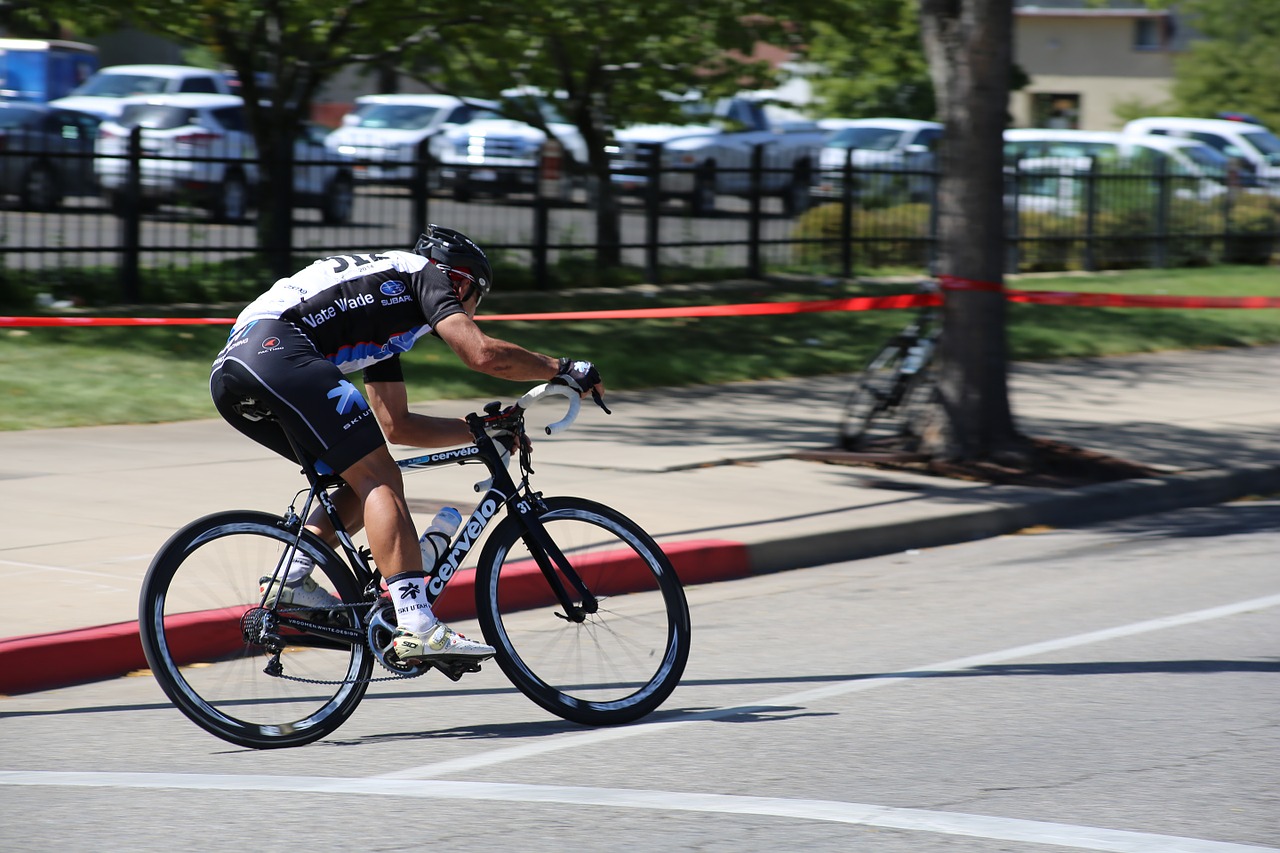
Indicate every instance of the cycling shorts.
{"type": "Point", "coordinates": [269, 367]}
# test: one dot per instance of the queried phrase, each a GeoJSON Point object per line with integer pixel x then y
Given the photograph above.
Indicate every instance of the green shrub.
{"type": "Point", "coordinates": [897, 235]}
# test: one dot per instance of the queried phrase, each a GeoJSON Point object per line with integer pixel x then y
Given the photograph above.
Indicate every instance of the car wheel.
{"type": "Point", "coordinates": [40, 190]}
{"type": "Point", "coordinates": [339, 201]}
{"type": "Point", "coordinates": [232, 201]}
{"type": "Point", "coordinates": [703, 200]}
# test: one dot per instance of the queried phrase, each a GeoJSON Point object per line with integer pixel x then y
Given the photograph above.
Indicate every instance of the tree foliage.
{"type": "Point", "coordinates": [871, 61]}
{"type": "Point", "coordinates": [607, 64]}
{"type": "Point", "coordinates": [1234, 67]}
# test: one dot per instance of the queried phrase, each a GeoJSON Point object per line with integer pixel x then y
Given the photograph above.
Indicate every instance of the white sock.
{"type": "Point", "coordinates": [299, 567]}
{"type": "Point", "coordinates": [409, 593]}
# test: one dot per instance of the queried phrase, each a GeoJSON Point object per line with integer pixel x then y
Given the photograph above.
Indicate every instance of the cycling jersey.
{"type": "Point", "coordinates": [359, 309]}
{"type": "Point", "coordinates": [290, 348]}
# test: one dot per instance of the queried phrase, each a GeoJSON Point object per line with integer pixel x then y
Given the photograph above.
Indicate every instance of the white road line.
{"type": "Point", "coordinates": [862, 814]}
{"type": "Point", "coordinates": [457, 766]}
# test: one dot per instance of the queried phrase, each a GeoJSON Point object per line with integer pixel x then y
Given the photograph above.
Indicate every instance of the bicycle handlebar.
{"type": "Point", "coordinates": [534, 395]}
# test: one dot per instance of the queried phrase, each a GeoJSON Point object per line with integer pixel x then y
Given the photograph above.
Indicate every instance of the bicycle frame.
{"type": "Point", "coordinates": [503, 491]}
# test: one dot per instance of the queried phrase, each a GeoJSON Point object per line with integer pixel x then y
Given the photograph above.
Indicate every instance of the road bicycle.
{"type": "Point", "coordinates": [586, 613]}
{"type": "Point", "coordinates": [882, 411]}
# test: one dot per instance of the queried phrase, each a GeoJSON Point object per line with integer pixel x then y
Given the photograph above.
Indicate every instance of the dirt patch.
{"type": "Point", "coordinates": [1044, 463]}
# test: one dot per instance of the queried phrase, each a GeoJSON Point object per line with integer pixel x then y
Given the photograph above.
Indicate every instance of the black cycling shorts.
{"type": "Point", "coordinates": [271, 365]}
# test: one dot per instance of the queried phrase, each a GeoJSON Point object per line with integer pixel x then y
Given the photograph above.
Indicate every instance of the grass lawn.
{"type": "Point", "coordinates": [82, 376]}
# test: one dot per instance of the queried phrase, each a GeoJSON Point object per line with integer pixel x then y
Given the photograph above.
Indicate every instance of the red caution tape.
{"type": "Point", "coordinates": [952, 282]}
{"type": "Point", "coordinates": [114, 321]}
{"type": "Point", "coordinates": [857, 303]}
{"type": "Point", "coordinates": [1139, 300]}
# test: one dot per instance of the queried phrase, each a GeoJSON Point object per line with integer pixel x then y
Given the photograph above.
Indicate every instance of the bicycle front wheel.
{"type": "Point", "coordinates": [869, 412]}
{"type": "Point", "coordinates": [196, 612]}
{"type": "Point", "coordinates": [617, 664]}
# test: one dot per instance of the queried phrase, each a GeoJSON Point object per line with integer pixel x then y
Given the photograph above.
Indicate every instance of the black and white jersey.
{"type": "Point", "coordinates": [359, 309]}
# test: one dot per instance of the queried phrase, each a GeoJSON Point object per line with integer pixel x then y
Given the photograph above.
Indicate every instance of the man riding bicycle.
{"type": "Point", "coordinates": [284, 368]}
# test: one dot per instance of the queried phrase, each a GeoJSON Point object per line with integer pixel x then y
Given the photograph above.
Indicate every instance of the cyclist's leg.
{"type": "Point", "coordinates": [273, 363]}
{"type": "Point", "coordinates": [378, 491]}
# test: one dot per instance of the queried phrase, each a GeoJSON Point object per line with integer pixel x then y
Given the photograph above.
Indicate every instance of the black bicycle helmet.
{"type": "Point", "coordinates": [456, 254]}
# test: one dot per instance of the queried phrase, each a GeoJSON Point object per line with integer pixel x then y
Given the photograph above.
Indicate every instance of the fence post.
{"type": "Point", "coordinates": [846, 215]}
{"type": "Point", "coordinates": [753, 221]}
{"type": "Point", "coordinates": [541, 205]}
{"type": "Point", "coordinates": [419, 191]}
{"type": "Point", "coordinates": [652, 210]}
{"type": "Point", "coordinates": [130, 213]}
{"type": "Point", "coordinates": [1012, 186]}
{"type": "Point", "coordinates": [1090, 262]}
{"type": "Point", "coordinates": [1163, 194]}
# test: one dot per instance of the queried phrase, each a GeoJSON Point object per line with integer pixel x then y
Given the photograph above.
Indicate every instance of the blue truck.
{"type": "Point", "coordinates": [40, 70]}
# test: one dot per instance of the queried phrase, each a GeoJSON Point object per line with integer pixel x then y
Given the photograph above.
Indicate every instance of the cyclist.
{"type": "Point", "coordinates": [284, 367]}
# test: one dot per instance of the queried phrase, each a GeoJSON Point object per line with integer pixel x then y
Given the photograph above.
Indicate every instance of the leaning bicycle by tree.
{"type": "Point", "coordinates": [885, 408]}
{"type": "Point", "coordinates": [585, 611]}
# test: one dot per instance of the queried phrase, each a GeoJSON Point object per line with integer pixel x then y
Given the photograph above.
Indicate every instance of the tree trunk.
{"type": "Point", "coordinates": [969, 46]}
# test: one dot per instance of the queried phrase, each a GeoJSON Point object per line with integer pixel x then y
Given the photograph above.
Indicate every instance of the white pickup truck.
{"type": "Point", "coordinates": [713, 156]}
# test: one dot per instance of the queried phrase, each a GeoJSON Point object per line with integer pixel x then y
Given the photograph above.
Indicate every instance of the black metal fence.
{"type": "Point", "coordinates": [156, 233]}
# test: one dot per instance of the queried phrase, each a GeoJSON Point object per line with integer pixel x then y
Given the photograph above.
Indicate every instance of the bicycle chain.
{"type": "Point", "coordinates": [396, 676]}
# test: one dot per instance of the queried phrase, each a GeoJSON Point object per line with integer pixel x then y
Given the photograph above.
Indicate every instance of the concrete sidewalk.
{"type": "Point", "coordinates": [85, 509]}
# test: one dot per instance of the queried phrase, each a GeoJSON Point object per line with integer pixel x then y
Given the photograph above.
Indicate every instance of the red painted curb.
{"type": "Point", "coordinates": [47, 661]}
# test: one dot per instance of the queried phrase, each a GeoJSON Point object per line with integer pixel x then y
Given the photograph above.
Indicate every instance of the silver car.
{"type": "Point", "coordinates": [198, 149]}
{"type": "Point", "coordinates": [46, 154]}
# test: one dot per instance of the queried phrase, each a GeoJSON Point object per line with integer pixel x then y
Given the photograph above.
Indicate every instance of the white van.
{"type": "Point", "coordinates": [108, 91]}
{"type": "Point", "coordinates": [1187, 158]}
{"type": "Point", "coordinates": [1251, 143]}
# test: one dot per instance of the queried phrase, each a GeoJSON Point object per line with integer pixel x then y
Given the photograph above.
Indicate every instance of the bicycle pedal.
{"type": "Point", "coordinates": [456, 669]}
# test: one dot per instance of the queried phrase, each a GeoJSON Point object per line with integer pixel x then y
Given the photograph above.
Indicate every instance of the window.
{"type": "Point", "coordinates": [198, 84]}
{"type": "Point", "coordinates": [1056, 110]}
{"type": "Point", "coordinates": [1151, 33]}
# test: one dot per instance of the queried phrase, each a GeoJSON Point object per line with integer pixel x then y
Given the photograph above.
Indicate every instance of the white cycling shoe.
{"type": "Point", "coordinates": [438, 643]}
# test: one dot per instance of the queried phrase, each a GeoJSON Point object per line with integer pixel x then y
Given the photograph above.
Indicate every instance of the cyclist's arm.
{"type": "Point", "coordinates": [390, 404]}
{"type": "Point", "coordinates": [489, 355]}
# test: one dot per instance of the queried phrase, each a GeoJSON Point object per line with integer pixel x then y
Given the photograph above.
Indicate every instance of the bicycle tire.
{"type": "Point", "coordinates": [868, 413]}
{"type": "Point", "coordinates": [624, 660]}
{"type": "Point", "coordinates": [196, 591]}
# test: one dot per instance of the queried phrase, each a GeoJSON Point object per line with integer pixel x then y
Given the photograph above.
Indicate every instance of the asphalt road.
{"type": "Point", "coordinates": [1111, 688]}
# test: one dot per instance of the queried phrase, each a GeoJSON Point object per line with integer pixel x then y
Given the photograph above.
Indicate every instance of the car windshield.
{"type": "Point", "coordinates": [397, 117]}
{"type": "Point", "coordinates": [1211, 160]}
{"type": "Point", "coordinates": [156, 116]}
{"type": "Point", "coordinates": [122, 85]}
{"type": "Point", "coordinates": [1264, 141]}
{"type": "Point", "coordinates": [870, 138]}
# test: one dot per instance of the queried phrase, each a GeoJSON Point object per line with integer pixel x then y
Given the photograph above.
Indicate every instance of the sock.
{"type": "Point", "coordinates": [409, 592]}
{"type": "Point", "coordinates": [299, 567]}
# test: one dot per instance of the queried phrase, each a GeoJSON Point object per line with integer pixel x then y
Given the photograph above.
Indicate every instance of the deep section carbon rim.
{"type": "Point", "coordinates": [620, 662]}
{"type": "Point", "coordinates": [201, 592]}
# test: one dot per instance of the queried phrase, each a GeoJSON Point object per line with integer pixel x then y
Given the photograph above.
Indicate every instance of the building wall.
{"type": "Point", "coordinates": [1091, 57]}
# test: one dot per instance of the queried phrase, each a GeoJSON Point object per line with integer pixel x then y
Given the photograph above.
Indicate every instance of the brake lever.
{"type": "Point", "coordinates": [595, 395]}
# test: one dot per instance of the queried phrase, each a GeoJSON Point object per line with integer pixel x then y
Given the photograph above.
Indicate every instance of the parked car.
{"type": "Point", "coordinates": [105, 93]}
{"type": "Point", "coordinates": [198, 148]}
{"type": "Point", "coordinates": [881, 146]}
{"type": "Point", "coordinates": [46, 153]}
{"type": "Point", "coordinates": [1181, 158]}
{"type": "Point", "coordinates": [497, 155]}
{"type": "Point", "coordinates": [385, 135]}
{"type": "Point", "coordinates": [1252, 144]}
{"type": "Point", "coordinates": [711, 153]}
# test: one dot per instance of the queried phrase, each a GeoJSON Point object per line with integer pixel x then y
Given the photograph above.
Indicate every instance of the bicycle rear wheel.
{"type": "Point", "coordinates": [620, 663]}
{"type": "Point", "coordinates": [194, 602]}
{"type": "Point", "coordinates": [868, 414]}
